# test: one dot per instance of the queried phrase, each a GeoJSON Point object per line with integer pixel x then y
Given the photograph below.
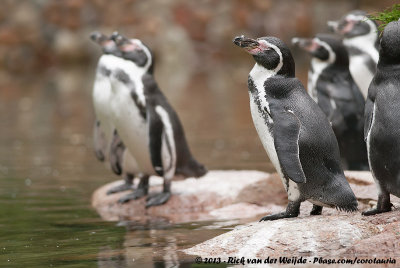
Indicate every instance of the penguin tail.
{"type": "Point", "coordinates": [347, 202]}
{"type": "Point", "coordinates": [348, 208]}
{"type": "Point", "coordinates": [342, 197]}
{"type": "Point", "coordinates": [192, 169]}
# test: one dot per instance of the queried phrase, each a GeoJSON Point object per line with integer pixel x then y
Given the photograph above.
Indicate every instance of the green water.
{"type": "Point", "coordinates": [50, 227]}
{"type": "Point", "coordinates": [48, 173]}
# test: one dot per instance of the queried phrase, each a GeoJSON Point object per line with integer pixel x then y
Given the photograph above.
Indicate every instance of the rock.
{"type": "Point", "coordinates": [333, 234]}
{"type": "Point", "coordinates": [343, 236]}
{"type": "Point", "coordinates": [217, 195]}
{"type": "Point", "coordinates": [223, 195]}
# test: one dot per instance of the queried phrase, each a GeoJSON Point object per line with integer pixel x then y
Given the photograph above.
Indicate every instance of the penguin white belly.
{"type": "Point", "coordinates": [310, 86]}
{"type": "Point", "coordinates": [131, 126]}
{"type": "Point", "coordinates": [360, 73]}
{"type": "Point", "coordinates": [267, 140]}
{"type": "Point", "coordinates": [101, 99]}
{"type": "Point", "coordinates": [317, 67]}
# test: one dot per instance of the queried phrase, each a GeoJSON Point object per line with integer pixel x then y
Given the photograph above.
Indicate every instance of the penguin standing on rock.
{"type": "Point", "coordinates": [108, 145]}
{"type": "Point", "coordinates": [294, 131]}
{"type": "Point", "coordinates": [144, 119]}
{"type": "Point", "coordinates": [382, 120]}
{"type": "Point", "coordinates": [361, 38]}
{"type": "Point", "coordinates": [332, 87]}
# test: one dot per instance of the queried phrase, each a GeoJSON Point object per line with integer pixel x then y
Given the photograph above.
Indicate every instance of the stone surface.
{"type": "Point", "coordinates": [217, 195]}
{"type": "Point", "coordinates": [333, 234]}
{"type": "Point", "coordinates": [323, 236]}
{"type": "Point", "coordinates": [223, 195]}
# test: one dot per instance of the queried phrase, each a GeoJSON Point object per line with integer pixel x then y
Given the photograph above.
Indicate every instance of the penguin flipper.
{"type": "Point", "coordinates": [155, 140]}
{"type": "Point", "coordinates": [99, 141]}
{"type": "Point", "coordinates": [369, 109]}
{"type": "Point", "coordinates": [336, 92]}
{"type": "Point", "coordinates": [286, 140]}
{"type": "Point", "coordinates": [116, 153]}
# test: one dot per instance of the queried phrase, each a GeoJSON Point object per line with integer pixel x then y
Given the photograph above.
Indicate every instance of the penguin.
{"type": "Point", "coordinates": [107, 143]}
{"type": "Point", "coordinates": [294, 131]}
{"type": "Point", "coordinates": [382, 125]}
{"type": "Point", "coordinates": [333, 88]}
{"type": "Point", "coordinates": [361, 38]}
{"type": "Point", "coordinates": [145, 121]}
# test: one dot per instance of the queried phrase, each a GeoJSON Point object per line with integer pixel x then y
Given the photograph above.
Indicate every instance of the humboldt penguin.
{"type": "Point", "coordinates": [382, 120]}
{"type": "Point", "coordinates": [333, 88]}
{"type": "Point", "coordinates": [294, 131]}
{"type": "Point", "coordinates": [107, 143]}
{"type": "Point", "coordinates": [361, 38]}
{"type": "Point", "coordinates": [145, 121]}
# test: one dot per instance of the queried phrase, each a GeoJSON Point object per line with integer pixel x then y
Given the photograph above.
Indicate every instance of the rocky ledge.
{"type": "Point", "coordinates": [221, 195]}
{"type": "Point", "coordinates": [327, 236]}
{"type": "Point", "coordinates": [333, 234]}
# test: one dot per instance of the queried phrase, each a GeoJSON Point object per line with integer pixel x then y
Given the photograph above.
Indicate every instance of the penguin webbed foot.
{"type": "Point", "coordinates": [120, 188]}
{"type": "Point", "coordinates": [157, 199]}
{"type": "Point", "coordinates": [292, 211]}
{"type": "Point", "coordinates": [382, 206]}
{"type": "Point", "coordinates": [374, 211]}
{"type": "Point", "coordinates": [278, 216]}
{"type": "Point", "coordinates": [138, 193]}
{"type": "Point", "coordinates": [316, 210]}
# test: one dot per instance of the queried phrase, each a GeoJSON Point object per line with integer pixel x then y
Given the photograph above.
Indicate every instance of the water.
{"type": "Point", "coordinates": [48, 171]}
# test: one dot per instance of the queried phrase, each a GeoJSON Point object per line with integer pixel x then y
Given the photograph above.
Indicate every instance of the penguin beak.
{"type": "Point", "coordinates": [102, 40]}
{"type": "Point", "coordinates": [306, 44]}
{"type": "Point", "coordinates": [98, 37]}
{"type": "Point", "coordinates": [246, 43]}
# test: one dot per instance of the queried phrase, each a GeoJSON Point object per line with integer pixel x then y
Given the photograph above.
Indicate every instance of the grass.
{"type": "Point", "coordinates": [388, 15]}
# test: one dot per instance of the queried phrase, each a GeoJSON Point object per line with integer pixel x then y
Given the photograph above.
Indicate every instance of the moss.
{"type": "Point", "coordinates": [388, 15]}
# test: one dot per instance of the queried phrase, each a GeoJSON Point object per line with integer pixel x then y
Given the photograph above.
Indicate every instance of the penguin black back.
{"type": "Point", "coordinates": [187, 165]}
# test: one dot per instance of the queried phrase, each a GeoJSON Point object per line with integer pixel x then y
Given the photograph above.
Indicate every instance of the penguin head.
{"type": "Point", "coordinates": [134, 50]}
{"type": "Point", "coordinates": [107, 44]}
{"type": "Point", "coordinates": [389, 52]}
{"type": "Point", "coordinates": [269, 52]}
{"type": "Point", "coordinates": [324, 47]}
{"type": "Point", "coordinates": [354, 24]}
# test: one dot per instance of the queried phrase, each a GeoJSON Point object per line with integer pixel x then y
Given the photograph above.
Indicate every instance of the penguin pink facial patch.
{"type": "Point", "coordinates": [129, 47]}
{"type": "Point", "coordinates": [262, 45]}
{"type": "Point", "coordinates": [349, 26]}
{"type": "Point", "coordinates": [108, 44]}
{"type": "Point", "coordinates": [313, 46]}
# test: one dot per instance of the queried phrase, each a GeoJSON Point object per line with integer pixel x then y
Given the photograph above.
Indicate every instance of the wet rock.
{"type": "Point", "coordinates": [323, 236]}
